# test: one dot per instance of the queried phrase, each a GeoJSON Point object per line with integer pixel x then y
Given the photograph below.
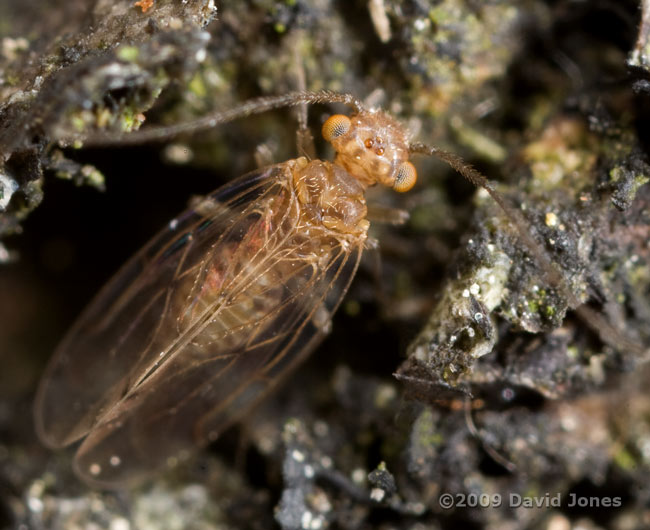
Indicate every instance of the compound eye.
{"type": "Point", "coordinates": [336, 126]}
{"type": "Point", "coordinates": [405, 177]}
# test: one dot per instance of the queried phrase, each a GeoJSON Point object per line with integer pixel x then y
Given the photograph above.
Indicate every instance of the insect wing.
{"type": "Point", "coordinates": [111, 344]}
{"type": "Point", "coordinates": [192, 331]}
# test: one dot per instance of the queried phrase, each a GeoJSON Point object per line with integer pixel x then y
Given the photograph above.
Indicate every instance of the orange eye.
{"type": "Point", "coordinates": [405, 177]}
{"type": "Point", "coordinates": [380, 151]}
{"type": "Point", "coordinates": [336, 126]}
{"type": "Point", "coordinates": [368, 143]}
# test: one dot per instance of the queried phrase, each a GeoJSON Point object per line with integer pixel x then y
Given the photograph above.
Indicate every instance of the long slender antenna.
{"type": "Point", "coordinates": [606, 331]}
{"type": "Point", "coordinates": [253, 106]}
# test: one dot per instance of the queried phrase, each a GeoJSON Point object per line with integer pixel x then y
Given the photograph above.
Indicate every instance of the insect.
{"type": "Point", "coordinates": [232, 294]}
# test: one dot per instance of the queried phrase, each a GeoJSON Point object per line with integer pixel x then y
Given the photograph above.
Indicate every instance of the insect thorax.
{"type": "Point", "coordinates": [330, 198]}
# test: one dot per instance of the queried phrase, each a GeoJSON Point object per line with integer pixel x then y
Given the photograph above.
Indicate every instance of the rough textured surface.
{"type": "Point", "coordinates": [81, 65]}
{"type": "Point", "coordinates": [502, 386]}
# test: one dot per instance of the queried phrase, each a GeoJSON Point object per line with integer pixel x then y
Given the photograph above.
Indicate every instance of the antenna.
{"type": "Point", "coordinates": [210, 120]}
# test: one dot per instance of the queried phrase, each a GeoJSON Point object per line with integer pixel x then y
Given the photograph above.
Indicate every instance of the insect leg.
{"type": "Point", "coordinates": [387, 215]}
{"type": "Point", "coordinates": [491, 451]}
{"type": "Point", "coordinates": [304, 138]}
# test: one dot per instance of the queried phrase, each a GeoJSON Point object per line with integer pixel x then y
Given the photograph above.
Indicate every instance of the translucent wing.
{"type": "Point", "coordinates": [192, 330]}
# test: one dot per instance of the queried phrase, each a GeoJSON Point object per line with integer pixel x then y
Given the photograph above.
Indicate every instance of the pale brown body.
{"type": "Point", "coordinates": [206, 318]}
{"type": "Point", "coordinates": [320, 210]}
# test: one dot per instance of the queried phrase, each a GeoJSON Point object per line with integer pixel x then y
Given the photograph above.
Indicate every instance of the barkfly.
{"type": "Point", "coordinates": [232, 294]}
{"type": "Point", "coordinates": [214, 309]}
